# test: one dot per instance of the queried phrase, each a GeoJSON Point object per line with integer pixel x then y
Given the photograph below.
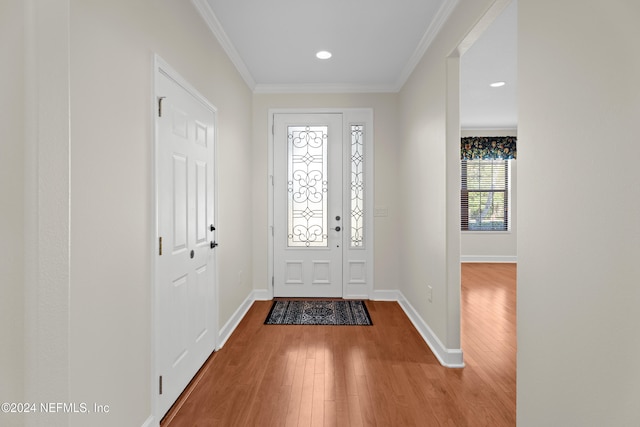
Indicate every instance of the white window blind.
{"type": "Point", "coordinates": [484, 195]}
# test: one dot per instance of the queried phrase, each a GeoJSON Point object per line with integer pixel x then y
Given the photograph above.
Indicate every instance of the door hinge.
{"type": "Point", "coordinates": [160, 384]}
{"type": "Point", "coordinates": [160, 98]}
{"type": "Point", "coordinates": [159, 245]}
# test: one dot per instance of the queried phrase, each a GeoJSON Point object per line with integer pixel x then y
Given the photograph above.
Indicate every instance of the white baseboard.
{"type": "Point", "coordinates": [234, 321]}
{"type": "Point", "coordinates": [149, 422]}
{"type": "Point", "coordinates": [226, 331]}
{"type": "Point", "coordinates": [489, 258]}
{"type": "Point", "coordinates": [451, 358]}
{"type": "Point", "coordinates": [386, 295]}
{"type": "Point", "coordinates": [261, 295]}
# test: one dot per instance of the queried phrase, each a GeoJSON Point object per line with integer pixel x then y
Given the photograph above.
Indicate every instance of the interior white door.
{"type": "Point", "coordinates": [185, 282]}
{"type": "Point", "coordinates": [308, 205]}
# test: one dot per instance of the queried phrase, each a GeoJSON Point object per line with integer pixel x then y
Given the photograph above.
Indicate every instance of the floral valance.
{"type": "Point", "coordinates": [488, 147]}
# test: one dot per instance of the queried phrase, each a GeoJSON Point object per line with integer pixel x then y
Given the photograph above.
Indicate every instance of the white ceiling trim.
{"type": "Point", "coordinates": [495, 10]}
{"type": "Point", "coordinates": [434, 28]}
{"type": "Point", "coordinates": [216, 28]}
{"type": "Point", "coordinates": [322, 88]}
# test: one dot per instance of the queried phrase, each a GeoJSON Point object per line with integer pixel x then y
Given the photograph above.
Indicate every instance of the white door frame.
{"type": "Point", "coordinates": [358, 279]}
{"type": "Point", "coordinates": [161, 66]}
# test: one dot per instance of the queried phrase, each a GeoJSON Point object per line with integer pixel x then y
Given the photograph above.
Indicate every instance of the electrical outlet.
{"type": "Point", "coordinates": [430, 293]}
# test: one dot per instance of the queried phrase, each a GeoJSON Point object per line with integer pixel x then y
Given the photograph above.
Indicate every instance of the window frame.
{"type": "Point", "coordinates": [464, 197]}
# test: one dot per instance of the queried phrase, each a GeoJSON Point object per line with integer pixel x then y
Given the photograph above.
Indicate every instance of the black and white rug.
{"type": "Point", "coordinates": [319, 312]}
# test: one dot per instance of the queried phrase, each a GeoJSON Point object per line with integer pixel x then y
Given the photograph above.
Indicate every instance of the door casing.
{"type": "Point", "coordinates": [357, 264]}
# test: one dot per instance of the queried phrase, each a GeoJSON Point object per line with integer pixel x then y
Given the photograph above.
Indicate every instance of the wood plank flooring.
{"type": "Point", "coordinates": [380, 375]}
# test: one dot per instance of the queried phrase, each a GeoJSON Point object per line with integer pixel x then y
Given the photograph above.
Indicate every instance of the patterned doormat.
{"type": "Point", "coordinates": [319, 312]}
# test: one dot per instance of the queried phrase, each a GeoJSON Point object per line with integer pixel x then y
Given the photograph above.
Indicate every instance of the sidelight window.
{"type": "Point", "coordinates": [357, 186]}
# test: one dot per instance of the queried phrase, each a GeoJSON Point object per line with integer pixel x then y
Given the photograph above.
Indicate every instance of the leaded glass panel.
{"type": "Point", "coordinates": [357, 186]}
{"type": "Point", "coordinates": [307, 186]}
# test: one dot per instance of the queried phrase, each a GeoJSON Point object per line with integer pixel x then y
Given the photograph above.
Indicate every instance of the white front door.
{"type": "Point", "coordinates": [185, 268]}
{"type": "Point", "coordinates": [308, 214]}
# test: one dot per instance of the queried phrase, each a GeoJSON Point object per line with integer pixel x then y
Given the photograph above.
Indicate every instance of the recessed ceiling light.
{"type": "Point", "coordinates": [497, 84]}
{"type": "Point", "coordinates": [323, 54]}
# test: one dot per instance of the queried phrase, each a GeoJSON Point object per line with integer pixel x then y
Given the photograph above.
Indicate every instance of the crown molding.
{"type": "Point", "coordinates": [321, 88]}
{"type": "Point", "coordinates": [434, 28]}
{"type": "Point", "coordinates": [214, 25]}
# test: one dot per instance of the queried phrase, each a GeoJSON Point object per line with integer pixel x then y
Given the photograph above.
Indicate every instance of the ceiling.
{"type": "Point", "coordinates": [491, 58]}
{"type": "Point", "coordinates": [375, 45]}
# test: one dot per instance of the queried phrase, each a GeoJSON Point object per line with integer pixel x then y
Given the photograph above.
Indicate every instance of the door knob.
{"type": "Point", "coordinates": [337, 228]}
{"type": "Point", "coordinates": [213, 244]}
{"type": "Point", "coordinates": [212, 228]}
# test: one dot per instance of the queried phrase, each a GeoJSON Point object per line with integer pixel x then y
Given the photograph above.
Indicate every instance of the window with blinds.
{"type": "Point", "coordinates": [484, 195]}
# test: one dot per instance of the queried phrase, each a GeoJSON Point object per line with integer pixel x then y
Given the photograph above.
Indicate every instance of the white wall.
{"type": "Point", "coordinates": [47, 199]}
{"type": "Point", "coordinates": [579, 213]}
{"type": "Point", "coordinates": [12, 172]}
{"type": "Point", "coordinates": [428, 167]}
{"type": "Point", "coordinates": [112, 43]}
{"type": "Point", "coordinates": [385, 170]}
{"type": "Point", "coordinates": [498, 246]}
{"type": "Point", "coordinates": [94, 60]}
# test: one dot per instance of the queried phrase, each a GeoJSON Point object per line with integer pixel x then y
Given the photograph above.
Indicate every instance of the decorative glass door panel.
{"type": "Point", "coordinates": [357, 186]}
{"type": "Point", "coordinates": [307, 186]}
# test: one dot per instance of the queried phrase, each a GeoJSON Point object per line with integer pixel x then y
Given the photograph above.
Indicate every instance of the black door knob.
{"type": "Point", "coordinates": [213, 244]}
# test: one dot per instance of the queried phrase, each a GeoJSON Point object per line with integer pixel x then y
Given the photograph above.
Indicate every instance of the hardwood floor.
{"type": "Point", "coordinates": [380, 375]}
